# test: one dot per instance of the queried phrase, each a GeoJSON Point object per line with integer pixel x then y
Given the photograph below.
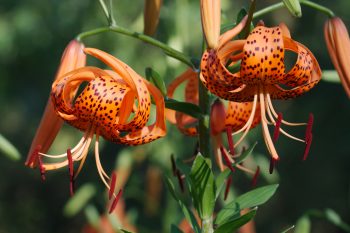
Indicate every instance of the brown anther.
{"type": "Point", "coordinates": [226, 158]}
{"type": "Point", "coordinates": [181, 182]}
{"type": "Point", "coordinates": [227, 189]}
{"type": "Point", "coordinates": [276, 132]}
{"type": "Point", "coordinates": [307, 146]}
{"type": "Point", "coordinates": [70, 163]}
{"type": "Point", "coordinates": [42, 169]}
{"type": "Point", "coordinates": [308, 131]}
{"type": "Point", "coordinates": [230, 140]}
{"type": "Point", "coordinates": [115, 201]}
{"type": "Point", "coordinates": [173, 164]}
{"type": "Point", "coordinates": [112, 185]}
{"type": "Point", "coordinates": [272, 165]}
{"type": "Point", "coordinates": [255, 177]}
{"type": "Point", "coordinates": [71, 187]}
{"type": "Point", "coordinates": [33, 157]}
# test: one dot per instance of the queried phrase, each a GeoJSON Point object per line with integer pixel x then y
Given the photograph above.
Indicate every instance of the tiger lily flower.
{"type": "Point", "coordinates": [220, 119]}
{"type": "Point", "coordinates": [73, 57]}
{"type": "Point", "coordinates": [338, 44]}
{"type": "Point", "coordinates": [261, 74]}
{"type": "Point", "coordinates": [115, 104]}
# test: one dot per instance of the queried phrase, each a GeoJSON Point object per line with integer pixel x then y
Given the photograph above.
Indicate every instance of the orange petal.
{"type": "Point", "coordinates": [263, 60]}
{"type": "Point", "coordinates": [217, 117]}
{"type": "Point", "coordinates": [72, 58]}
{"type": "Point", "coordinates": [238, 115]}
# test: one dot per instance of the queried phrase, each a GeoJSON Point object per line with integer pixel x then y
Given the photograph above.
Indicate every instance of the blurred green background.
{"type": "Point", "coordinates": [34, 33]}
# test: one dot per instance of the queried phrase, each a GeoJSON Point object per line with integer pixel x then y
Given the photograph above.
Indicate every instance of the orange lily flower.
{"type": "Point", "coordinates": [220, 119]}
{"type": "Point", "coordinates": [261, 74]}
{"type": "Point", "coordinates": [338, 44]}
{"type": "Point", "coordinates": [73, 57]}
{"type": "Point", "coordinates": [115, 104]}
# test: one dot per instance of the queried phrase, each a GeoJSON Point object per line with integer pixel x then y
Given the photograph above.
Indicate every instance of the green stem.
{"type": "Point", "coordinates": [318, 7]}
{"type": "Point", "coordinates": [280, 5]}
{"type": "Point", "coordinates": [268, 9]}
{"type": "Point", "coordinates": [147, 39]}
{"type": "Point", "coordinates": [207, 225]}
{"type": "Point", "coordinates": [203, 123]}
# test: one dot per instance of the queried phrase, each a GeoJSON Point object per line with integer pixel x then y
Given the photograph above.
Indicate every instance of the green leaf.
{"type": "Point", "coordinates": [202, 187]}
{"type": "Point", "coordinates": [188, 108]}
{"type": "Point", "coordinates": [79, 200]}
{"type": "Point", "coordinates": [303, 225]}
{"type": "Point", "coordinates": [175, 229]}
{"type": "Point", "coordinates": [245, 154]}
{"type": "Point", "coordinates": [288, 229]}
{"type": "Point", "coordinates": [330, 76]}
{"type": "Point", "coordinates": [235, 224]}
{"type": "Point", "coordinates": [250, 199]}
{"type": "Point", "coordinates": [187, 212]}
{"type": "Point", "coordinates": [334, 218]}
{"type": "Point", "coordinates": [8, 149]}
{"type": "Point", "coordinates": [125, 231]}
{"type": "Point", "coordinates": [92, 216]}
{"type": "Point", "coordinates": [155, 78]}
{"type": "Point", "coordinates": [220, 181]}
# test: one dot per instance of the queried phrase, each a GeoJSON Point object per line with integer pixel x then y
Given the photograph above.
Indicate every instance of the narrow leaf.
{"type": "Point", "coordinates": [220, 181]}
{"type": "Point", "coordinates": [92, 216]}
{"type": "Point", "coordinates": [187, 108]}
{"type": "Point", "coordinates": [246, 154]}
{"type": "Point", "coordinates": [186, 211]}
{"type": "Point", "coordinates": [79, 200]}
{"type": "Point", "coordinates": [233, 225]}
{"type": "Point", "coordinates": [250, 199]}
{"type": "Point", "coordinates": [8, 149]}
{"type": "Point", "coordinates": [303, 225]}
{"type": "Point", "coordinates": [155, 78]}
{"type": "Point", "coordinates": [334, 218]}
{"type": "Point", "coordinates": [202, 187]}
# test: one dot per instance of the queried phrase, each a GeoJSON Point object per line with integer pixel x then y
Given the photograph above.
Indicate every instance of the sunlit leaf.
{"type": "Point", "coordinates": [303, 225]}
{"type": "Point", "coordinates": [250, 199]}
{"type": "Point", "coordinates": [202, 187]}
{"type": "Point", "coordinates": [330, 76]}
{"type": "Point", "coordinates": [234, 224]}
{"type": "Point", "coordinates": [79, 200]}
{"type": "Point", "coordinates": [8, 149]}
{"type": "Point", "coordinates": [92, 216]}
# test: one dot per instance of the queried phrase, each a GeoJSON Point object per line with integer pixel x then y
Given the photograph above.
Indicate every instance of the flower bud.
{"type": "Point", "coordinates": [294, 7]}
{"type": "Point", "coordinates": [210, 16]}
{"type": "Point", "coordinates": [217, 117]}
{"type": "Point", "coordinates": [151, 16]}
{"type": "Point", "coordinates": [338, 44]}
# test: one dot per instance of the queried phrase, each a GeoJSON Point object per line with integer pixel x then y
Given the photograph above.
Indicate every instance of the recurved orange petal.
{"type": "Point", "coordinates": [73, 57]}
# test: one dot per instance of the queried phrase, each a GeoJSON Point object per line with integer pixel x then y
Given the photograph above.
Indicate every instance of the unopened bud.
{"type": "Point", "coordinates": [294, 7]}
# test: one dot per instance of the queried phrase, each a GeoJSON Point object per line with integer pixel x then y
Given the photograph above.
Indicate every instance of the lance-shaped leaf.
{"type": "Point", "coordinates": [202, 187]}
{"type": "Point", "coordinates": [8, 149]}
{"type": "Point", "coordinates": [188, 108]}
{"type": "Point", "coordinates": [250, 199]}
{"type": "Point", "coordinates": [155, 78]}
{"type": "Point", "coordinates": [233, 225]}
